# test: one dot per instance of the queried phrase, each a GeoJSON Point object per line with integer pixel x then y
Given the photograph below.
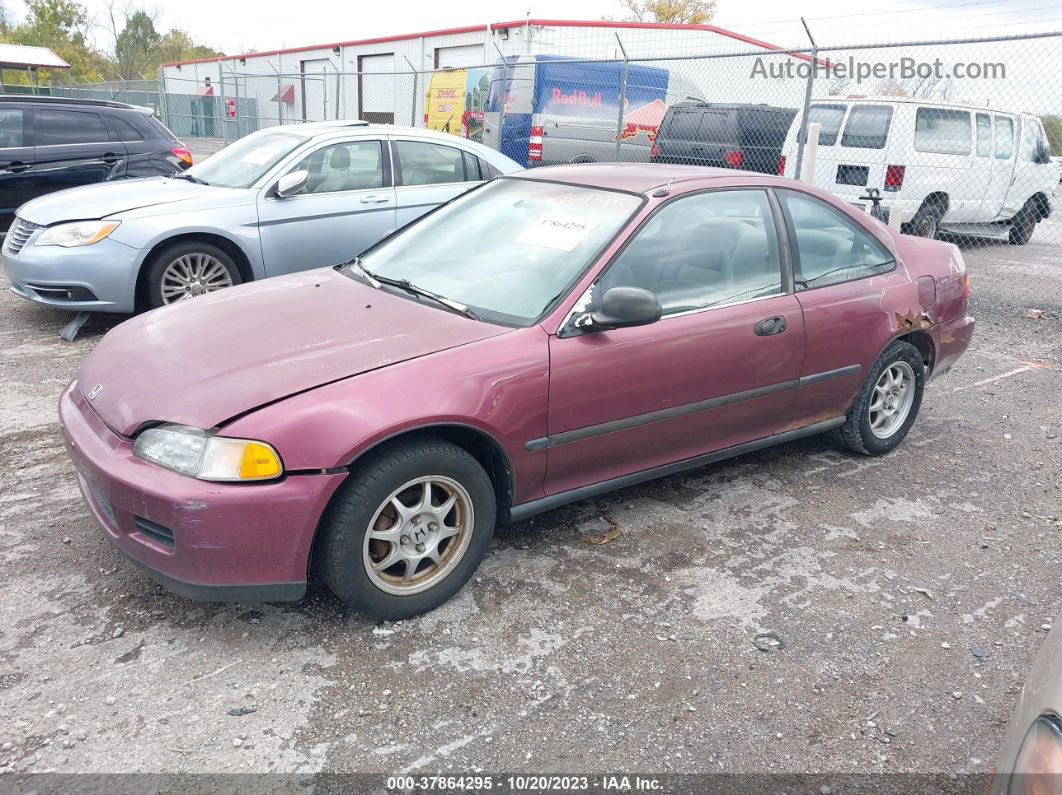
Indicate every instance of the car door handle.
{"type": "Point", "coordinates": [771, 325]}
{"type": "Point", "coordinates": [109, 157]}
{"type": "Point", "coordinates": [15, 167]}
{"type": "Point", "coordinates": [374, 199]}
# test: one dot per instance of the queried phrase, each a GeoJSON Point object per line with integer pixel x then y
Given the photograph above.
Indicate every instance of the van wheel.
{"type": "Point", "coordinates": [185, 270]}
{"type": "Point", "coordinates": [888, 402]}
{"type": "Point", "coordinates": [926, 222]}
{"type": "Point", "coordinates": [1023, 226]}
{"type": "Point", "coordinates": [407, 529]}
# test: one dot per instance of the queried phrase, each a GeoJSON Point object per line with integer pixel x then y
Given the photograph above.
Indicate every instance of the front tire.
{"type": "Point", "coordinates": [408, 529]}
{"type": "Point", "coordinates": [887, 403]}
{"type": "Point", "coordinates": [187, 269]}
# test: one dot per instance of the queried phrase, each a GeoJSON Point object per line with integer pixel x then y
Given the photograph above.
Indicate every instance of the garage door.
{"type": "Point", "coordinates": [376, 88]}
{"type": "Point", "coordinates": [456, 57]}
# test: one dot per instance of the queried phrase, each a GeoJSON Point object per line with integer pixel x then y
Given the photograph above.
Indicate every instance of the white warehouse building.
{"type": "Point", "coordinates": [384, 79]}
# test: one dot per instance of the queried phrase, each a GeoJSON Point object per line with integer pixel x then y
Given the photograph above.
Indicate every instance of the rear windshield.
{"type": "Point", "coordinates": [942, 131]}
{"type": "Point", "coordinates": [161, 128]}
{"type": "Point", "coordinates": [867, 127]}
{"type": "Point", "coordinates": [830, 117]}
{"type": "Point", "coordinates": [684, 124]}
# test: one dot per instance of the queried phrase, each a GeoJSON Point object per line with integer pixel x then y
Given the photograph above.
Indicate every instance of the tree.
{"type": "Point", "coordinates": [179, 46]}
{"type": "Point", "coordinates": [682, 12]}
{"type": "Point", "coordinates": [136, 47]}
{"type": "Point", "coordinates": [60, 25]}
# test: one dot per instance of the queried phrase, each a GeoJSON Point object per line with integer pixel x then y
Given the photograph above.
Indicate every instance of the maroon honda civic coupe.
{"type": "Point", "coordinates": [542, 339]}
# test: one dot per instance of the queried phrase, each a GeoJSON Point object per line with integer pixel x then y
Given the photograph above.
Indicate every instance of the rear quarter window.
{"type": "Point", "coordinates": [867, 127]}
{"type": "Point", "coordinates": [942, 131]}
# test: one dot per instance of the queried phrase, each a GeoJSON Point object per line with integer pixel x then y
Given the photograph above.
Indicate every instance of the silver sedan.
{"type": "Point", "coordinates": [281, 200]}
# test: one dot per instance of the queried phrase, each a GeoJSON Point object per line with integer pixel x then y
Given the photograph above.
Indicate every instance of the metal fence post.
{"type": "Point", "coordinates": [413, 110]}
{"type": "Point", "coordinates": [622, 98]}
{"type": "Point", "coordinates": [220, 106]}
{"type": "Point", "coordinates": [501, 107]}
{"type": "Point", "coordinates": [802, 137]}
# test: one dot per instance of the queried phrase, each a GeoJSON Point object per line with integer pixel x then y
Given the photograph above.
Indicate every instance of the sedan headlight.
{"type": "Point", "coordinates": [201, 454]}
{"type": "Point", "coordinates": [79, 233]}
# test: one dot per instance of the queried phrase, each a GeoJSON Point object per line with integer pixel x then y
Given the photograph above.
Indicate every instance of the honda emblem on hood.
{"type": "Point", "coordinates": [92, 395]}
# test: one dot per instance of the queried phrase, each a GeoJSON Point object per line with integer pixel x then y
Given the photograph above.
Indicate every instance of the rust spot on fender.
{"type": "Point", "coordinates": [911, 321]}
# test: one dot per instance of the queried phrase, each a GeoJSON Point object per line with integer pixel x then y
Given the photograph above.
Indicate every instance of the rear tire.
{"type": "Point", "coordinates": [195, 265]}
{"type": "Point", "coordinates": [887, 403]}
{"type": "Point", "coordinates": [926, 222]}
{"type": "Point", "coordinates": [1023, 226]}
{"type": "Point", "coordinates": [393, 508]}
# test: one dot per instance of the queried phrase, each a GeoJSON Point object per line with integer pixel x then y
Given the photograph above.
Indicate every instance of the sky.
{"type": "Point", "coordinates": [235, 26]}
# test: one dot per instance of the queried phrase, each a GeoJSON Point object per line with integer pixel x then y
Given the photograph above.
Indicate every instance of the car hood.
{"type": "Point", "coordinates": [207, 360]}
{"type": "Point", "coordinates": [109, 198]}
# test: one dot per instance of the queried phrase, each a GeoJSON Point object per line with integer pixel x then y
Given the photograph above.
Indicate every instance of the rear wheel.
{"type": "Point", "coordinates": [408, 529]}
{"type": "Point", "coordinates": [926, 222]}
{"type": "Point", "coordinates": [185, 270]}
{"type": "Point", "coordinates": [888, 401]}
{"type": "Point", "coordinates": [1023, 226]}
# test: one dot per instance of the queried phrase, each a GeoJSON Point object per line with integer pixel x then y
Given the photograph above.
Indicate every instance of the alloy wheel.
{"type": "Point", "coordinates": [418, 535]}
{"type": "Point", "coordinates": [891, 400]}
{"type": "Point", "coordinates": [193, 274]}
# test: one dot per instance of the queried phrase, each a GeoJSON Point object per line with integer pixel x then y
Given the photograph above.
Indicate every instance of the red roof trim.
{"type": "Point", "coordinates": [498, 26]}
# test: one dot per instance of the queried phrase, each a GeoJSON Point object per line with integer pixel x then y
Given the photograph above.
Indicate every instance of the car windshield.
{"type": "Point", "coordinates": [241, 164]}
{"type": "Point", "coordinates": [507, 250]}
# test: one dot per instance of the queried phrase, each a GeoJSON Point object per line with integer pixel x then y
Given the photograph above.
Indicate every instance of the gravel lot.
{"type": "Point", "coordinates": [911, 592]}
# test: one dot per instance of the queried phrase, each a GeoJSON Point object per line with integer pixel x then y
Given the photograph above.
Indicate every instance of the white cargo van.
{"type": "Point", "coordinates": [949, 167]}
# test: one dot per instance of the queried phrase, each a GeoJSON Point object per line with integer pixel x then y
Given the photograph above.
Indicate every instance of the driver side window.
{"type": "Point", "coordinates": [351, 165]}
{"type": "Point", "coordinates": [712, 248]}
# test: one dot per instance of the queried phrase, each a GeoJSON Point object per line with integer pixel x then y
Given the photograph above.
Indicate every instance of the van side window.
{"type": "Point", "coordinates": [830, 247]}
{"type": "Point", "coordinates": [1004, 137]}
{"type": "Point", "coordinates": [984, 135]}
{"type": "Point", "coordinates": [867, 127]}
{"type": "Point", "coordinates": [942, 131]}
{"type": "Point", "coordinates": [830, 117]}
{"type": "Point", "coordinates": [703, 250]}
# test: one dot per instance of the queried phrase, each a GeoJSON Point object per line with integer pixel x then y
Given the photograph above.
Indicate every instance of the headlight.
{"type": "Point", "coordinates": [201, 454]}
{"type": "Point", "coordinates": [1038, 767]}
{"type": "Point", "coordinates": [79, 233]}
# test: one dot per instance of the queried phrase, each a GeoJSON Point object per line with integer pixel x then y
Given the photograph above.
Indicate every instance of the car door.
{"type": "Point", "coordinates": [1006, 153]}
{"type": "Point", "coordinates": [74, 147]}
{"type": "Point", "coordinates": [348, 204]}
{"type": "Point", "coordinates": [1031, 173]}
{"type": "Point", "coordinates": [18, 176]}
{"type": "Point", "coordinates": [996, 174]}
{"type": "Point", "coordinates": [718, 369]}
{"type": "Point", "coordinates": [428, 174]}
{"type": "Point", "coordinates": [841, 272]}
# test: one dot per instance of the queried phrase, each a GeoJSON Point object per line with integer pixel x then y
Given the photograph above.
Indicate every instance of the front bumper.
{"type": "Point", "coordinates": [209, 541]}
{"type": "Point", "coordinates": [99, 278]}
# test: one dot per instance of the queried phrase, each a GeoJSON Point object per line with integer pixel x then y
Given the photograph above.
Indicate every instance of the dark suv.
{"type": "Point", "coordinates": [51, 143]}
{"type": "Point", "coordinates": [748, 137]}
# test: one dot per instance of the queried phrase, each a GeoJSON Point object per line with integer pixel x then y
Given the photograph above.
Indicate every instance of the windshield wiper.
{"type": "Point", "coordinates": [191, 178]}
{"type": "Point", "coordinates": [404, 284]}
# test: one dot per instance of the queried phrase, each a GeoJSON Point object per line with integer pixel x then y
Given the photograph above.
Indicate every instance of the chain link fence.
{"type": "Point", "coordinates": [958, 139]}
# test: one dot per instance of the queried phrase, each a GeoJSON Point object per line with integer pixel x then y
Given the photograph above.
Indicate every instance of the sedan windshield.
{"type": "Point", "coordinates": [507, 250]}
{"type": "Point", "coordinates": [241, 164]}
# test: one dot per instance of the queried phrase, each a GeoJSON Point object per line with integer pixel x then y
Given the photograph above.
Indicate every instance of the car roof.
{"type": "Point", "coordinates": [647, 177]}
{"type": "Point", "coordinates": [47, 100]}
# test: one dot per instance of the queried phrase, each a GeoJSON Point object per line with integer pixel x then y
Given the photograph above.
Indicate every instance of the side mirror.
{"type": "Point", "coordinates": [1043, 156]}
{"type": "Point", "coordinates": [290, 184]}
{"type": "Point", "coordinates": [622, 307]}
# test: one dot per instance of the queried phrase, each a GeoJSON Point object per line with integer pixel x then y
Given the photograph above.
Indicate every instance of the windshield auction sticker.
{"type": "Point", "coordinates": [561, 231]}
